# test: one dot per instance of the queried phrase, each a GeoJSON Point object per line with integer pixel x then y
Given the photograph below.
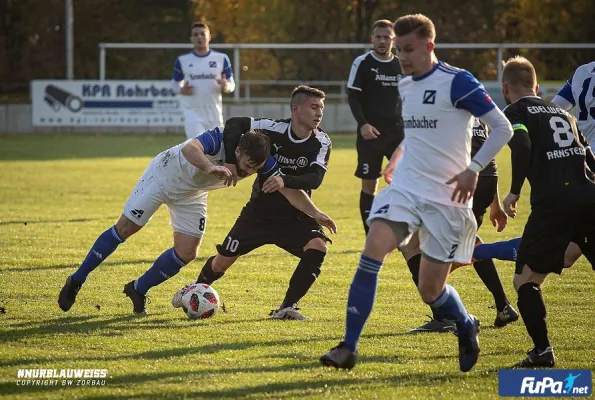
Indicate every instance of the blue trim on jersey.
{"type": "Point", "coordinates": [227, 67]}
{"type": "Point", "coordinates": [566, 92]}
{"type": "Point", "coordinates": [178, 73]}
{"type": "Point", "coordinates": [199, 56]}
{"type": "Point", "coordinates": [468, 94]}
{"type": "Point", "coordinates": [448, 70]}
{"type": "Point", "coordinates": [270, 165]}
{"type": "Point", "coordinates": [211, 141]}
{"type": "Point", "coordinates": [430, 72]}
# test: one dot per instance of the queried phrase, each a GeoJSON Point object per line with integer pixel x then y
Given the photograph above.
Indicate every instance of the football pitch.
{"type": "Point", "coordinates": [59, 192]}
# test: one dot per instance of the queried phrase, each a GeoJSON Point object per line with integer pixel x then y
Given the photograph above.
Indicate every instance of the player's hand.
{"type": "Point", "coordinates": [187, 90]}
{"type": "Point", "coordinates": [273, 184]}
{"type": "Point", "coordinates": [222, 173]}
{"type": "Point", "coordinates": [509, 203]}
{"type": "Point", "coordinates": [234, 172]}
{"type": "Point", "coordinates": [223, 83]}
{"type": "Point", "coordinates": [326, 221]}
{"type": "Point", "coordinates": [498, 217]}
{"type": "Point", "coordinates": [387, 173]}
{"type": "Point", "coordinates": [466, 182]}
{"type": "Point", "coordinates": [368, 132]}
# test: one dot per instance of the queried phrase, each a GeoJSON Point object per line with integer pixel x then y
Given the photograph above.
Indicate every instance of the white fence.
{"type": "Point", "coordinates": [237, 47]}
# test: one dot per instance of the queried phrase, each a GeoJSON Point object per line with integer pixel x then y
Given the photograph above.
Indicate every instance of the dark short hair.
{"type": "Point", "coordinates": [255, 145]}
{"type": "Point", "coordinates": [302, 92]}
{"type": "Point", "coordinates": [199, 25]}
{"type": "Point", "coordinates": [518, 71]}
{"type": "Point", "coordinates": [382, 23]}
{"type": "Point", "coordinates": [418, 23]}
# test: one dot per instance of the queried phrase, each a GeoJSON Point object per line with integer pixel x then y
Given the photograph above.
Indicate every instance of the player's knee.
{"type": "Point", "coordinates": [369, 186]}
{"type": "Point", "coordinates": [316, 244]}
{"type": "Point", "coordinates": [429, 289]}
{"type": "Point", "coordinates": [222, 263]}
{"type": "Point", "coordinates": [521, 279]}
{"type": "Point", "coordinates": [311, 261]}
{"type": "Point", "coordinates": [188, 254]}
{"type": "Point", "coordinates": [126, 227]}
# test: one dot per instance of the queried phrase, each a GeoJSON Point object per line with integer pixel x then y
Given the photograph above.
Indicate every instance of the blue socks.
{"type": "Point", "coordinates": [360, 302]}
{"type": "Point", "coordinates": [105, 245]}
{"type": "Point", "coordinates": [449, 305]}
{"type": "Point", "coordinates": [165, 266]}
{"type": "Point", "coordinates": [506, 251]}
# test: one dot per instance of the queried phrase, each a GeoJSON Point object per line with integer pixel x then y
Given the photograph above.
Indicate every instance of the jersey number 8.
{"type": "Point", "coordinates": [563, 135]}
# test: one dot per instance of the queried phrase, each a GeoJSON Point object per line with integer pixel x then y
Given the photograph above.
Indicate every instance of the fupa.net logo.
{"type": "Point", "coordinates": [542, 383]}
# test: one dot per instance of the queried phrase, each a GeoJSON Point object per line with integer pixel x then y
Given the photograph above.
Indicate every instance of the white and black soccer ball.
{"type": "Point", "coordinates": [200, 301]}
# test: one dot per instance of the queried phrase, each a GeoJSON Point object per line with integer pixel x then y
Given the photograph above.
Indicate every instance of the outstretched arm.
{"type": "Point", "coordinates": [194, 152]}
{"type": "Point", "coordinates": [300, 200]}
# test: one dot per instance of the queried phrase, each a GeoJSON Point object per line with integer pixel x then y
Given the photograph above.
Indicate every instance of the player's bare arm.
{"type": "Point", "coordinates": [195, 154]}
{"type": "Point", "coordinates": [498, 217]}
{"type": "Point", "coordinates": [300, 200]}
{"type": "Point", "coordinates": [273, 184]}
{"type": "Point", "coordinates": [387, 173]}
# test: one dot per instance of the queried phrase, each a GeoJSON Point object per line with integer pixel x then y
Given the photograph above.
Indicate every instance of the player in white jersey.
{"type": "Point", "coordinates": [431, 188]}
{"type": "Point", "coordinates": [181, 178]}
{"type": "Point", "coordinates": [200, 77]}
{"type": "Point", "coordinates": [579, 91]}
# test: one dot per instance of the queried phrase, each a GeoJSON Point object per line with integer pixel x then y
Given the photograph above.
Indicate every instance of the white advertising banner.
{"type": "Point", "coordinates": [105, 103]}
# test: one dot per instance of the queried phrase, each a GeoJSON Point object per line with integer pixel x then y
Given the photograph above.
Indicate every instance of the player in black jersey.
{"type": "Point", "coordinates": [302, 151]}
{"type": "Point", "coordinates": [485, 196]}
{"type": "Point", "coordinates": [548, 150]}
{"type": "Point", "coordinates": [375, 103]}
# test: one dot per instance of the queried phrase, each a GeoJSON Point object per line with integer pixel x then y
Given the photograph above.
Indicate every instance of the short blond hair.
{"type": "Point", "coordinates": [418, 23]}
{"type": "Point", "coordinates": [518, 71]}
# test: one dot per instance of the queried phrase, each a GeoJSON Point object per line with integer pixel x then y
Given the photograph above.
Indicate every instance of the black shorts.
{"type": "Point", "coordinates": [549, 231]}
{"type": "Point", "coordinates": [254, 229]}
{"type": "Point", "coordinates": [486, 189]}
{"type": "Point", "coordinates": [370, 153]}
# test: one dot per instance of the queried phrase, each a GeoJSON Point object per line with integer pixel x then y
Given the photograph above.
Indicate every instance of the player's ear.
{"type": "Point", "coordinates": [536, 88]}
{"type": "Point", "coordinates": [295, 107]}
{"type": "Point", "coordinates": [238, 153]}
{"type": "Point", "coordinates": [431, 46]}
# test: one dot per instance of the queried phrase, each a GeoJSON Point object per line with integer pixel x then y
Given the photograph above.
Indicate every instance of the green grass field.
{"type": "Point", "coordinates": [59, 192]}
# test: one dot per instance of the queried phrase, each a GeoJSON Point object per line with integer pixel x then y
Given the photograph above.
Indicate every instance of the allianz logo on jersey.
{"type": "Point", "coordinates": [291, 163]}
{"type": "Point", "coordinates": [543, 383]}
{"type": "Point", "coordinates": [480, 132]}
{"type": "Point", "coordinates": [387, 78]}
{"type": "Point", "coordinates": [195, 77]}
{"type": "Point", "coordinates": [420, 123]}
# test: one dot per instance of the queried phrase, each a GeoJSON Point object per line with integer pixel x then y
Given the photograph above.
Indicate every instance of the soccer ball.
{"type": "Point", "coordinates": [200, 301]}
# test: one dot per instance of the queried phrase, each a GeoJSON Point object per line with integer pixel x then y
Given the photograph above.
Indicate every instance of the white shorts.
{"type": "Point", "coordinates": [188, 214]}
{"type": "Point", "coordinates": [446, 233]}
{"type": "Point", "coordinates": [194, 125]}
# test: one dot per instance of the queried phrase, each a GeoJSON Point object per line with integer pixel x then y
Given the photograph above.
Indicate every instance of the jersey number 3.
{"type": "Point", "coordinates": [563, 135]}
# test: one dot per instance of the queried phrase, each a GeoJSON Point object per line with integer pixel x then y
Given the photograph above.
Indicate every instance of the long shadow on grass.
{"type": "Point", "coordinates": [146, 261]}
{"type": "Point", "coordinates": [66, 325]}
{"type": "Point", "coordinates": [341, 380]}
{"type": "Point", "coordinates": [304, 388]}
{"type": "Point", "coordinates": [53, 221]}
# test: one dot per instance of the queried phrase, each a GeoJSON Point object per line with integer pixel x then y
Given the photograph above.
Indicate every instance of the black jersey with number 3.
{"type": "Point", "coordinates": [557, 168]}
{"type": "Point", "coordinates": [378, 81]}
